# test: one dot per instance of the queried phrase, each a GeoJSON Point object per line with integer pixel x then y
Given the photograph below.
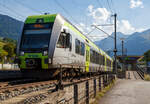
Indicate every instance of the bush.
{"type": "Point", "coordinates": [147, 77]}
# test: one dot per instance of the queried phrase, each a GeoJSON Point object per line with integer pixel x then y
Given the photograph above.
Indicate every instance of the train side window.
{"type": "Point", "coordinates": [91, 55]}
{"type": "Point", "coordinates": [77, 46]}
{"type": "Point", "coordinates": [69, 41]}
{"type": "Point", "coordinates": [107, 62]}
{"type": "Point", "coordinates": [97, 58]}
{"type": "Point", "coordinates": [82, 48]}
{"type": "Point", "coordinates": [103, 60]}
{"type": "Point", "coordinates": [94, 57]}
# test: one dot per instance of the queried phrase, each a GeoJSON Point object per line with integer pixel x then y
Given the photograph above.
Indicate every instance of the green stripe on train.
{"type": "Point", "coordinates": [47, 18]}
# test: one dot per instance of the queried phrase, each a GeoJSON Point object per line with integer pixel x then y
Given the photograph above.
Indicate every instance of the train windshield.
{"type": "Point", "coordinates": [36, 36]}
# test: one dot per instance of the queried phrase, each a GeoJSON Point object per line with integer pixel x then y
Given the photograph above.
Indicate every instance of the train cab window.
{"type": "Point", "coordinates": [77, 46]}
{"type": "Point", "coordinates": [64, 41]}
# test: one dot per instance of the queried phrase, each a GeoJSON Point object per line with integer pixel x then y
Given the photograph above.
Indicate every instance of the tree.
{"type": "Point", "coordinates": [9, 47]}
{"type": "Point", "coordinates": [3, 54]}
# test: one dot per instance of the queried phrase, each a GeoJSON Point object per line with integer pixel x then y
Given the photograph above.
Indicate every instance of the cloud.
{"type": "Point", "coordinates": [125, 27]}
{"type": "Point", "coordinates": [98, 14]}
{"type": "Point", "coordinates": [136, 3]}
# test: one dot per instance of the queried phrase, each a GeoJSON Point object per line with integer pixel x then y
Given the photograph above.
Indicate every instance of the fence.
{"type": "Point", "coordinates": [9, 66]}
{"type": "Point", "coordinates": [81, 93]}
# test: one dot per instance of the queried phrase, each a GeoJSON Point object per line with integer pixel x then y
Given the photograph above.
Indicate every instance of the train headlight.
{"type": "Point", "coordinates": [45, 53]}
{"type": "Point", "coordinates": [21, 53]}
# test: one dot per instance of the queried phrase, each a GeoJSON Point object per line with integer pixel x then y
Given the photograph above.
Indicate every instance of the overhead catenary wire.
{"type": "Point", "coordinates": [81, 9]}
{"type": "Point", "coordinates": [12, 10]}
{"type": "Point", "coordinates": [90, 31]}
{"type": "Point", "coordinates": [65, 11]}
{"type": "Point", "coordinates": [109, 6]}
{"type": "Point", "coordinates": [112, 3]}
{"type": "Point", "coordinates": [27, 6]}
{"type": "Point", "coordinates": [103, 31]}
{"type": "Point", "coordinates": [104, 10]}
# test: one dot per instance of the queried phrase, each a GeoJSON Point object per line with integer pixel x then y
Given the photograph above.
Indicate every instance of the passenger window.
{"type": "Point", "coordinates": [82, 48]}
{"type": "Point", "coordinates": [91, 55]}
{"type": "Point", "coordinates": [70, 42]}
{"type": "Point", "coordinates": [77, 46]}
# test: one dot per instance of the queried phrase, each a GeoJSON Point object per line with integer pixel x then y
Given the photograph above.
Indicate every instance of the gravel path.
{"type": "Point", "coordinates": [128, 92]}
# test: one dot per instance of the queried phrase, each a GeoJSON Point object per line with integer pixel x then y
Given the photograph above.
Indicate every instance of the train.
{"type": "Point", "coordinates": [49, 44]}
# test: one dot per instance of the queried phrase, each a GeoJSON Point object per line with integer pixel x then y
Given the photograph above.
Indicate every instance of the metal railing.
{"type": "Point", "coordinates": [141, 71]}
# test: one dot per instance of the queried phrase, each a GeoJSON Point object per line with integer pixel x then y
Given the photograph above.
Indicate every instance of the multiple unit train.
{"type": "Point", "coordinates": [50, 42]}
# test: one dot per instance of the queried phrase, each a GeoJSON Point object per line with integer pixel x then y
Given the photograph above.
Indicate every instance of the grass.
{"type": "Point", "coordinates": [102, 93]}
{"type": "Point", "coordinates": [147, 77]}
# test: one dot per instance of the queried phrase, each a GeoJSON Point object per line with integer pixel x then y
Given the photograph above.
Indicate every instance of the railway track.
{"type": "Point", "coordinates": [21, 93]}
{"type": "Point", "coordinates": [12, 91]}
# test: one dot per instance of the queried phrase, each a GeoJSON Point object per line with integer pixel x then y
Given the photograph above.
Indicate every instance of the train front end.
{"type": "Point", "coordinates": [33, 46]}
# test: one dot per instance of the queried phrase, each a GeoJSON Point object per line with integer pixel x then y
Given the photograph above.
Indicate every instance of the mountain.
{"type": "Point", "coordinates": [108, 43]}
{"type": "Point", "coordinates": [138, 43]}
{"type": "Point", "coordinates": [10, 27]}
{"type": "Point", "coordinates": [135, 44]}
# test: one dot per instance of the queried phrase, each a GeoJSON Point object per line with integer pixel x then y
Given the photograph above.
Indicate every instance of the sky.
{"type": "Point", "coordinates": [132, 15]}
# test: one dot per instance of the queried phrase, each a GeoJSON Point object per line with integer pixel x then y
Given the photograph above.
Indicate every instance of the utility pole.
{"type": "Point", "coordinates": [115, 43]}
{"type": "Point", "coordinates": [122, 48]}
{"type": "Point", "coordinates": [122, 41]}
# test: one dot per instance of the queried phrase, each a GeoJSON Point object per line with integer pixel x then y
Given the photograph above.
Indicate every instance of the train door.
{"type": "Point", "coordinates": [87, 58]}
